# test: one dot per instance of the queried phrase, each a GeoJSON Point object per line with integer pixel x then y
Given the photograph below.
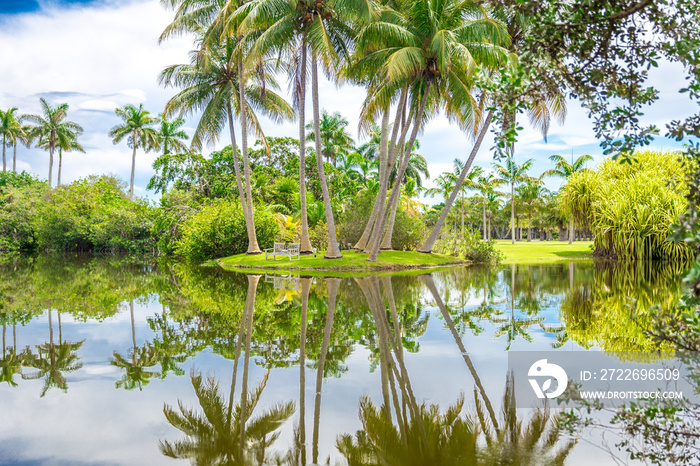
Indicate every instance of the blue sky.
{"type": "Point", "coordinates": [100, 54]}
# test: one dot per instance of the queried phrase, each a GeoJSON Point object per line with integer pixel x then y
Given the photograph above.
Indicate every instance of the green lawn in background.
{"type": "Point", "coordinates": [536, 250]}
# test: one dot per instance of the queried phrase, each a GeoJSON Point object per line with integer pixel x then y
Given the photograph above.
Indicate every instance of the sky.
{"type": "Point", "coordinates": [97, 55]}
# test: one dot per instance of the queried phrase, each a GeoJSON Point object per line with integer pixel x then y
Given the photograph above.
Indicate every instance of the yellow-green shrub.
{"type": "Point", "coordinates": [630, 207]}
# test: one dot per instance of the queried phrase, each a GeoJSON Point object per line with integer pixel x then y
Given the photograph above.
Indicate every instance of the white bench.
{"type": "Point", "coordinates": [283, 249]}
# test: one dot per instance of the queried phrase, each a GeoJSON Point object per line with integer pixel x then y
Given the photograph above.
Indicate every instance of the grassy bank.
{"type": "Point", "coordinates": [536, 250]}
{"type": "Point", "coordinates": [351, 261]}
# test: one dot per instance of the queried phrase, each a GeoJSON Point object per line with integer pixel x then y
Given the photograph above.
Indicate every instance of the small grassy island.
{"type": "Point", "coordinates": [350, 262]}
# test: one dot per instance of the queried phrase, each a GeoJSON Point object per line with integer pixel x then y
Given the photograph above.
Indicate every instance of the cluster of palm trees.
{"type": "Point", "coordinates": [523, 193]}
{"type": "Point", "coordinates": [413, 57]}
{"type": "Point", "coordinates": [50, 131]}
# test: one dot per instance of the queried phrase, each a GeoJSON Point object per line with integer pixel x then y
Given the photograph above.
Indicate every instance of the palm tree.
{"type": "Point", "coordinates": [137, 127]}
{"type": "Point", "coordinates": [68, 141]}
{"type": "Point", "coordinates": [335, 139]}
{"type": "Point", "coordinates": [469, 182]}
{"type": "Point", "coordinates": [47, 127]}
{"type": "Point", "coordinates": [211, 84]}
{"type": "Point", "coordinates": [171, 136]}
{"type": "Point", "coordinates": [11, 131]}
{"type": "Point", "coordinates": [530, 193]}
{"type": "Point", "coordinates": [485, 184]}
{"type": "Point", "coordinates": [301, 28]}
{"type": "Point", "coordinates": [53, 360]}
{"type": "Point", "coordinates": [141, 357]}
{"type": "Point", "coordinates": [564, 169]}
{"type": "Point", "coordinates": [513, 174]}
{"type": "Point", "coordinates": [427, 51]}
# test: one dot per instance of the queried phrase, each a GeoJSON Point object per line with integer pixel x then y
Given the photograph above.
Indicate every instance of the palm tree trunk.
{"type": "Point", "coordinates": [428, 246]}
{"type": "Point", "coordinates": [430, 283]}
{"type": "Point", "coordinates": [571, 230]}
{"type": "Point", "coordinates": [250, 310]}
{"type": "Point", "coordinates": [133, 328]}
{"type": "Point", "coordinates": [133, 169]}
{"type": "Point", "coordinates": [253, 247]}
{"type": "Point", "coordinates": [332, 284]}
{"type": "Point", "coordinates": [51, 165]}
{"type": "Point", "coordinates": [60, 163]}
{"type": "Point", "coordinates": [305, 247]}
{"type": "Point", "coordinates": [14, 158]}
{"type": "Point", "coordinates": [236, 166]}
{"type": "Point", "coordinates": [305, 286]}
{"type": "Point", "coordinates": [386, 151]}
{"type": "Point", "coordinates": [333, 251]}
{"type": "Point", "coordinates": [394, 197]}
{"type": "Point", "coordinates": [512, 211]}
{"type": "Point", "coordinates": [485, 234]}
{"type": "Point", "coordinates": [386, 240]}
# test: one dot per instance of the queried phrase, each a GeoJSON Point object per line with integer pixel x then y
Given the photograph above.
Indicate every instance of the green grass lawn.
{"type": "Point", "coordinates": [351, 261]}
{"type": "Point", "coordinates": [536, 250]}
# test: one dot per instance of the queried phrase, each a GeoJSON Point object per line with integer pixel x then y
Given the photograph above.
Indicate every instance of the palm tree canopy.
{"type": "Point", "coordinates": [335, 139]}
{"type": "Point", "coordinates": [564, 169]}
{"type": "Point", "coordinates": [137, 127]}
{"type": "Point", "coordinates": [10, 126]}
{"type": "Point", "coordinates": [50, 123]}
{"type": "Point", "coordinates": [170, 135]}
{"type": "Point", "coordinates": [512, 173]}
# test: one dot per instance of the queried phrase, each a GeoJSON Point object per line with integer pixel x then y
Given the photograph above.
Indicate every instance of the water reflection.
{"type": "Point", "coordinates": [367, 335]}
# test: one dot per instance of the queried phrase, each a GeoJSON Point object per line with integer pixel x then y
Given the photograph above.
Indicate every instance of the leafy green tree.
{"type": "Point", "coordinates": [137, 127]}
{"type": "Point", "coordinates": [48, 127]}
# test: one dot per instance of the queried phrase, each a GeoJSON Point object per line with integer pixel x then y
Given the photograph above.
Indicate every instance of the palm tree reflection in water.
{"type": "Point", "coordinates": [225, 434]}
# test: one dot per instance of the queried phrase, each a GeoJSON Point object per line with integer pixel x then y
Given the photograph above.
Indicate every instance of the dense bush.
{"type": "Point", "coordinates": [19, 195]}
{"type": "Point", "coordinates": [218, 230]}
{"type": "Point", "coordinates": [409, 231]}
{"type": "Point", "coordinates": [93, 214]}
{"type": "Point", "coordinates": [470, 246]}
{"type": "Point", "coordinates": [630, 207]}
{"type": "Point", "coordinates": [176, 206]}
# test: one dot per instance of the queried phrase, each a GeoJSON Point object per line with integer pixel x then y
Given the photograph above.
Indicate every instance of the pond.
{"type": "Point", "coordinates": [107, 361]}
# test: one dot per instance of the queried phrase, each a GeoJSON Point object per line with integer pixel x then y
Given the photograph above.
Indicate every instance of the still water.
{"type": "Point", "coordinates": [111, 362]}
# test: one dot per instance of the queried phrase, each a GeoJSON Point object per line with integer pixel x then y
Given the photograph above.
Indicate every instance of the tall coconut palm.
{"type": "Point", "coordinates": [317, 30]}
{"type": "Point", "coordinates": [10, 130]}
{"type": "Point", "coordinates": [564, 169]}
{"type": "Point", "coordinates": [335, 139]}
{"type": "Point", "coordinates": [486, 183]}
{"type": "Point", "coordinates": [211, 84]}
{"type": "Point", "coordinates": [67, 141]}
{"type": "Point", "coordinates": [430, 49]}
{"type": "Point", "coordinates": [513, 174]}
{"type": "Point", "coordinates": [47, 126]}
{"type": "Point", "coordinates": [137, 127]}
{"type": "Point", "coordinates": [469, 182]}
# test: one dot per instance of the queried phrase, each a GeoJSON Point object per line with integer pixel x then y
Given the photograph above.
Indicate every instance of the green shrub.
{"type": "Point", "coordinates": [470, 246]}
{"type": "Point", "coordinates": [176, 206]}
{"type": "Point", "coordinates": [409, 231]}
{"type": "Point", "coordinates": [318, 236]}
{"type": "Point", "coordinates": [218, 230]}
{"type": "Point", "coordinates": [93, 214]}
{"type": "Point", "coordinates": [18, 212]}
